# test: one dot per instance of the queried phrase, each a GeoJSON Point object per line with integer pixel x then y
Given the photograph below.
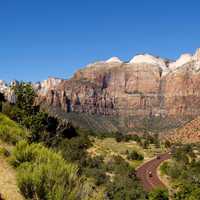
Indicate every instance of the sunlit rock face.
{"type": "Point", "coordinates": [185, 58]}
{"type": "Point", "coordinates": [151, 60]}
{"type": "Point", "coordinates": [47, 91]}
{"type": "Point", "coordinates": [3, 86]}
{"type": "Point", "coordinates": [7, 90]}
{"type": "Point", "coordinates": [146, 85]}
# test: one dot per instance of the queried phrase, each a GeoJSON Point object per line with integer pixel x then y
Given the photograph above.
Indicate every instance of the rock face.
{"type": "Point", "coordinates": [3, 86]}
{"type": "Point", "coordinates": [7, 90]}
{"type": "Point", "coordinates": [145, 86]}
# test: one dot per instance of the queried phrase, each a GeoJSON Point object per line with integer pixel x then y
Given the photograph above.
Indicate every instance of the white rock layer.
{"type": "Point", "coordinates": [3, 86]}
{"type": "Point", "coordinates": [48, 84]}
{"type": "Point", "coordinates": [185, 58]}
{"type": "Point", "coordinates": [149, 59]}
{"type": "Point", "coordinates": [113, 60]}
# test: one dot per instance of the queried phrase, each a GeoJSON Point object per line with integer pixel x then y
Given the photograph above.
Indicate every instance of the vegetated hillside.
{"type": "Point", "coordinates": [97, 123]}
{"type": "Point", "coordinates": [188, 133]}
{"type": "Point", "coordinates": [53, 162]}
{"type": "Point", "coordinates": [9, 132]}
{"type": "Point", "coordinates": [110, 124]}
{"type": "Point", "coordinates": [183, 172]}
{"type": "Point", "coordinates": [124, 91]}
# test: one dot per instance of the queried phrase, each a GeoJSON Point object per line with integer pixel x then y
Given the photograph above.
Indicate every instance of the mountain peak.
{"type": "Point", "coordinates": [147, 58]}
{"type": "Point", "coordinates": [113, 60]}
{"type": "Point", "coordinates": [183, 59]}
{"type": "Point", "coordinates": [197, 54]}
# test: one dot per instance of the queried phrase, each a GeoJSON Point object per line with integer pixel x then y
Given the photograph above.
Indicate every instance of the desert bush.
{"type": "Point", "coordinates": [74, 149]}
{"type": "Point", "coordinates": [44, 174]}
{"type": "Point", "coordinates": [183, 170]}
{"type": "Point", "coordinates": [158, 194]}
{"type": "Point", "coordinates": [119, 137]}
{"type": "Point", "coordinates": [164, 168]}
{"type": "Point", "coordinates": [98, 175]}
{"type": "Point", "coordinates": [4, 152]}
{"type": "Point", "coordinates": [94, 168]}
{"type": "Point", "coordinates": [134, 155]}
{"type": "Point", "coordinates": [124, 188]}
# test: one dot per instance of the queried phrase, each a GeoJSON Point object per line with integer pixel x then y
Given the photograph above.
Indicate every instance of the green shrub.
{"type": "Point", "coordinates": [119, 137]}
{"type": "Point", "coordinates": [74, 149]}
{"type": "Point", "coordinates": [44, 174]}
{"type": "Point", "coordinates": [98, 175]}
{"type": "Point", "coordinates": [23, 152]}
{"type": "Point", "coordinates": [124, 188]}
{"type": "Point", "coordinates": [134, 155]}
{"type": "Point", "coordinates": [125, 185]}
{"type": "Point", "coordinates": [4, 152]}
{"type": "Point", "coordinates": [158, 194]}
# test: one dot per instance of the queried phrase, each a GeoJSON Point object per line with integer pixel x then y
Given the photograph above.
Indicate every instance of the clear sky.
{"type": "Point", "coordinates": [41, 38]}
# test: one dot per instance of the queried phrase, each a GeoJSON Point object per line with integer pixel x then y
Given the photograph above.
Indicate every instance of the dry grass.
{"type": "Point", "coordinates": [8, 185]}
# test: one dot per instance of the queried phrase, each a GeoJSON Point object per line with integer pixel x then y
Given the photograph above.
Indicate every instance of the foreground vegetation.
{"type": "Point", "coordinates": [52, 161]}
{"type": "Point", "coordinates": [183, 170]}
{"type": "Point", "coordinates": [8, 181]}
{"type": "Point", "coordinates": [44, 174]}
{"type": "Point", "coordinates": [55, 161]}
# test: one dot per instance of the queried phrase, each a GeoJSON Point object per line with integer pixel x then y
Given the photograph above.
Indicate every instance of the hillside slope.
{"type": "Point", "coordinates": [189, 133]}
{"type": "Point", "coordinates": [8, 182]}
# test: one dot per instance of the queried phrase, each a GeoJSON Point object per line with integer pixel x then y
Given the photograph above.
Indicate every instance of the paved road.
{"type": "Point", "coordinates": [142, 173]}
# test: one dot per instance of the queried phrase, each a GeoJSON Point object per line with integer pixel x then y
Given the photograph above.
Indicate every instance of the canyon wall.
{"type": "Point", "coordinates": [144, 86]}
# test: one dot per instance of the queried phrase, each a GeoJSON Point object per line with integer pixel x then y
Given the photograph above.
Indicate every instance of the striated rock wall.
{"type": "Point", "coordinates": [7, 90]}
{"type": "Point", "coordinates": [145, 86]}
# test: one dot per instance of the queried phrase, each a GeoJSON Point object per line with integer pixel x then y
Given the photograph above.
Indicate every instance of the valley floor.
{"type": "Point", "coordinates": [108, 146]}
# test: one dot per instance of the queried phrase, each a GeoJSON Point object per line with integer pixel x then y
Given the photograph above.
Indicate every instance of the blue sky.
{"type": "Point", "coordinates": [41, 38]}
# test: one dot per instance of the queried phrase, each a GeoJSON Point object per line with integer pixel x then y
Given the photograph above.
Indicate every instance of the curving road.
{"type": "Point", "coordinates": [142, 173]}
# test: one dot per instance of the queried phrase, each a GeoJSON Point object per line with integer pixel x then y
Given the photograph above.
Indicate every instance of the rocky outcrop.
{"type": "Point", "coordinates": [7, 90]}
{"type": "Point", "coordinates": [189, 133]}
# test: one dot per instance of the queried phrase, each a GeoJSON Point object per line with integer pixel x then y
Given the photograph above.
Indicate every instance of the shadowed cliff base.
{"type": "Point", "coordinates": [109, 124]}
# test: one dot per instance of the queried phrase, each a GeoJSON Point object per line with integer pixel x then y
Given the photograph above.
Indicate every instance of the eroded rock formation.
{"type": "Point", "coordinates": [146, 85]}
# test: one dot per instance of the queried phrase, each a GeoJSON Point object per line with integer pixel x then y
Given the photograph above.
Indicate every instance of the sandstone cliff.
{"type": "Point", "coordinates": [146, 86]}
